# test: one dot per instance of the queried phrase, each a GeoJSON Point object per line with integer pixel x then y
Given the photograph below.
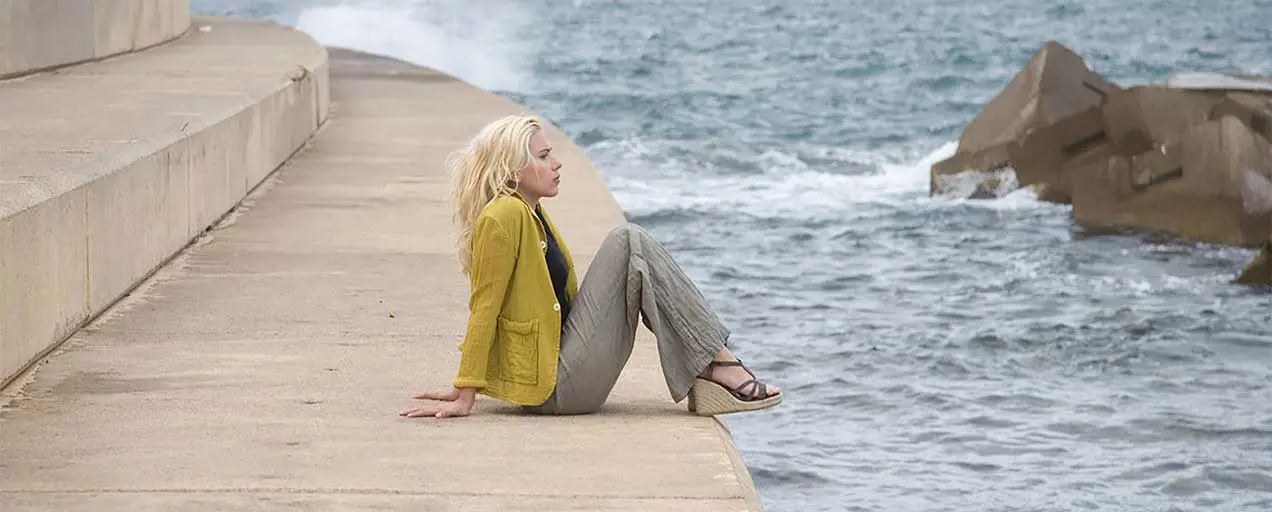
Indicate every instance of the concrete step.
{"type": "Point", "coordinates": [37, 35]}
{"type": "Point", "coordinates": [109, 168]}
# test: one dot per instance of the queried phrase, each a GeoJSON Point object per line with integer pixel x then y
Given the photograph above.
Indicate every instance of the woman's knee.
{"type": "Point", "coordinates": [619, 232]}
{"type": "Point", "coordinates": [629, 233]}
{"type": "Point", "coordinates": [636, 231]}
{"type": "Point", "coordinates": [620, 236]}
{"type": "Point", "coordinates": [627, 230]}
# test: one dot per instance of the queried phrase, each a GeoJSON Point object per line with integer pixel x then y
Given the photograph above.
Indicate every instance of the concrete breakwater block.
{"type": "Point", "coordinates": [1259, 271]}
{"type": "Point", "coordinates": [1191, 158]}
{"type": "Point", "coordinates": [1126, 123]}
{"type": "Point", "coordinates": [1044, 155]}
{"type": "Point", "coordinates": [1255, 110]}
{"type": "Point", "coordinates": [1055, 84]}
{"type": "Point", "coordinates": [1212, 184]}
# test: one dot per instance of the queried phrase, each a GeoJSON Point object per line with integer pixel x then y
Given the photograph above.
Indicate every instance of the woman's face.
{"type": "Point", "coordinates": [541, 177]}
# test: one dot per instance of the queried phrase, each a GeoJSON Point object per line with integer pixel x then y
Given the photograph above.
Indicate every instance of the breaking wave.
{"type": "Point", "coordinates": [780, 184]}
{"type": "Point", "coordinates": [492, 46]}
{"type": "Point", "coordinates": [652, 177]}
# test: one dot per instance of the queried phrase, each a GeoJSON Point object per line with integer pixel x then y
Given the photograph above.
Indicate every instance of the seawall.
{"type": "Point", "coordinates": [264, 364]}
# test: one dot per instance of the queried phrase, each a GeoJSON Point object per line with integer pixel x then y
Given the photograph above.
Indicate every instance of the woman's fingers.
{"type": "Point", "coordinates": [446, 395]}
{"type": "Point", "coordinates": [419, 413]}
{"type": "Point", "coordinates": [451, 405]}
{"type": "Point", "coordinates": [453, 409]}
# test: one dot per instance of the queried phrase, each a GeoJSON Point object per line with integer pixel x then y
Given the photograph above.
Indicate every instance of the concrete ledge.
{"type": "Point", "coordinates": [263, 367]}
{"type": "Point", "coordinates": [40, 34]}
{"type": "Point", "coordinates": [126, 161]}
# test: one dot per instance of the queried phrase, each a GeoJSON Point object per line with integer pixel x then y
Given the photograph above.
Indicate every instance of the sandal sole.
{"type": "Point", "coordinates": [708, 398]}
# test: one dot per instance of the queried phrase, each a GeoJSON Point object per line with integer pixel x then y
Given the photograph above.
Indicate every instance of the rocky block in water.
{"type": "Point", "coordinates": [1128, 122]}
{"type": "Point", "coordinates": [1255, 110]}
{"type": "Point", "coordinates": [1044, 155]}
{"type": "Point", "coordinates": [1143, 118]}
{"type": "Point", "coordinates": [1248, 99]}
{"type": "Point", "coordinates": [1212, 184]}
{"type": "Point", "coordinates": [1192, 159]}
{"type": "Point", "coordinates": [1055, 84]}
{"type": "Point", "coordinates": [1259, 271]}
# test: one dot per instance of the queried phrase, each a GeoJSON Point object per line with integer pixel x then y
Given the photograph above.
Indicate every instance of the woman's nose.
{"type": "Point", "coordinates": [556, 164]}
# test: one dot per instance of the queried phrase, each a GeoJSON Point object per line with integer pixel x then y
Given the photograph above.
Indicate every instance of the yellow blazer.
{"type": "Point", "coordinates": [513, 337]}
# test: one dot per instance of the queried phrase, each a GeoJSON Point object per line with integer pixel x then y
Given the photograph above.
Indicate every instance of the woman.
{"type": "Point", "coordinates": [535, 337]}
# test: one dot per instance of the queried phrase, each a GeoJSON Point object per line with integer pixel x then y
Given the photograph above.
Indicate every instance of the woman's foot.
{"type": "Point", "coordinates": [726, 386]}
{"type": "Point", "coordinates": [728, 371]}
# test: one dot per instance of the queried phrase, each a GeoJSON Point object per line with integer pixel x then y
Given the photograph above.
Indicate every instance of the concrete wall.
{"type": "Point", "coordinates": [74, 241]}
{"type": "Point", "coordinates": [41, 34]}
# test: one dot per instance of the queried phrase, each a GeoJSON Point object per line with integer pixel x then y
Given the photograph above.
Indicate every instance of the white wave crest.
{"type": "Point", "coordinates": [491, 46]}
{"type": "Point", "coordinates": [644, 181]}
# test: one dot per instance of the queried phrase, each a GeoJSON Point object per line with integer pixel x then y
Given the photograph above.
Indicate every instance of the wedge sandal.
{"type": "Point", "coordinates": [710, 398]}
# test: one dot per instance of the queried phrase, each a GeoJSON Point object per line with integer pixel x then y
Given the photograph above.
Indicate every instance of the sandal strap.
{"type": "Point", "coordinates": [708, 372]}
{"type": "Point", "coordinates": [758, 391]}
{"type": "Point", "coordinates": [738, 363]}
{"type": "Point", "coordinates": [747, 370]}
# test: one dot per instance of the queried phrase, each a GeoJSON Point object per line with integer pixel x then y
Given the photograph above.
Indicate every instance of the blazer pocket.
{"type": "Point", "coordinates": [519, 347]}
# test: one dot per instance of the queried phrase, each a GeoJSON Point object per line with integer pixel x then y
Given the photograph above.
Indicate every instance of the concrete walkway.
{"type": "Point", "coordinates": [109, 168]}
{"type": "Point", "coordinates": [264, 368]}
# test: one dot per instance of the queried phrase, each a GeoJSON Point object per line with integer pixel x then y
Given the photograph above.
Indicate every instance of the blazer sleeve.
{"type": "Point", "coordinates": [494, 257]}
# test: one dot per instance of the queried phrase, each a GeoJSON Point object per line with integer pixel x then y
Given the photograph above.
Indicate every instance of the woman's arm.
{"type": "Point", "coordinates": [494, 257]}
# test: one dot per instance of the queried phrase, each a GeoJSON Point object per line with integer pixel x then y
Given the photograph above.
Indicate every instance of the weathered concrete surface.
{"type": "Point", "coordinates": [42, 34]}
{"type": "Point", "coordinates": [1045, 155]}
{"type": "Point", "coordinates": [1141, 119]}
{"type": "Point", "coordinates": [1128, 122]}
{"type": "Point", "coordinates": [1055, 84]}
{"type": "Point", "coordinates": [127, 160]}
{"type": "Point", "coordinates": [265, 367]}
{"type": "Point", "coordinates": [1212, 184]}
{"type": "Point", "coordinates": [1255, 110]}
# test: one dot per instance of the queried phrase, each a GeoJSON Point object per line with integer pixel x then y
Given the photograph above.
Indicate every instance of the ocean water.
{"type": "Point", "coordinates": [938, 353]}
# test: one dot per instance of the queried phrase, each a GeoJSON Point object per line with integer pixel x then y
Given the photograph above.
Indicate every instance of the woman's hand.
{"type": "Point", "coordinates": [455, 403]}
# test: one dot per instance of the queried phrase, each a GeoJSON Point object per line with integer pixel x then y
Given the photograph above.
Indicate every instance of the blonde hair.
{"type": "Point", "coordinates": [485, 169]}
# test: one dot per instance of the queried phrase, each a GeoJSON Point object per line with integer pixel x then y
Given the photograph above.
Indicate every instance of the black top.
{"type": "Point", "coordinates": [557, 268]}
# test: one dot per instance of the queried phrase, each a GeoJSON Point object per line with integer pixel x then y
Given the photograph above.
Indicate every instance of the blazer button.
{"type": "Point", "coordinates": [543, 245]}
{"type": "Point", "coordinates": [556, 307]}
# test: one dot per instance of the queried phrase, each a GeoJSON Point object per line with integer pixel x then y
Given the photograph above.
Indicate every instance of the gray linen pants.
{"type": "Point", "coordinates": [632, 276]}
